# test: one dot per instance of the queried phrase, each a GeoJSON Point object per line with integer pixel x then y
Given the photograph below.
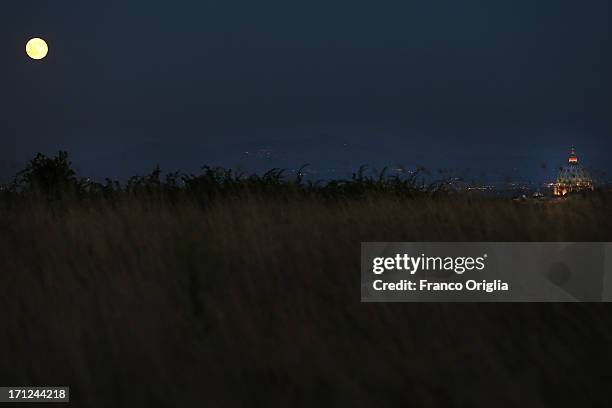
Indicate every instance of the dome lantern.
{"type": "Point", "coordinates": [572, 157]}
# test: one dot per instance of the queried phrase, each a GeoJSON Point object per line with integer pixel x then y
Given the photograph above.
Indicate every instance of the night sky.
{"type": "Point", "coordinates": [492, 86]}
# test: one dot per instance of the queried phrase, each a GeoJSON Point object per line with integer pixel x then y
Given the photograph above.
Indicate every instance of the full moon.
{"type": "Point", "coordinates": [37, 48]}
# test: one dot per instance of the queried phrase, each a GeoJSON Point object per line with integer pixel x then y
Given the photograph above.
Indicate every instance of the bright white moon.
{"type": "Point", "coordinates": [37, 48]}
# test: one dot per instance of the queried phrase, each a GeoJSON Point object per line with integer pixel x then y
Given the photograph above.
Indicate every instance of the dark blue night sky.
{"type": "Point", "coordinates": [492, 86]}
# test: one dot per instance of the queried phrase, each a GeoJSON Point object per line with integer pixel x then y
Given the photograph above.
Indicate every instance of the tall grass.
{"type": "Point", "coordinates": [53, 180]}
{"type": "Point", "coordinates": [253, 299]}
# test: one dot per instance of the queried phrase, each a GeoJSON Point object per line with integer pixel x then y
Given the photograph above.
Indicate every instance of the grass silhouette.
{"type": "Point", "coordinates": [237, 291]}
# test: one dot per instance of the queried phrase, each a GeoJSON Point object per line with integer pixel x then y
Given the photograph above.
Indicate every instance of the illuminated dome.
{"type": "Point", "coordinates": [573, 177]}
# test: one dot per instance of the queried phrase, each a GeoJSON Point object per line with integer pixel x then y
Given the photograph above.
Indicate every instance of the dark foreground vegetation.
{"type": "Point", "coordinates": [216, 291]}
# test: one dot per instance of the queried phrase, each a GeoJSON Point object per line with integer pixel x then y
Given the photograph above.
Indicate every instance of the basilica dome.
{"type": "Point", "coordinates": [572, 177]}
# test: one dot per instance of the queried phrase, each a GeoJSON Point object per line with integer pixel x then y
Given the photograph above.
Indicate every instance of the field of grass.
{"type": "Point", "coordinates": [255, 301]}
